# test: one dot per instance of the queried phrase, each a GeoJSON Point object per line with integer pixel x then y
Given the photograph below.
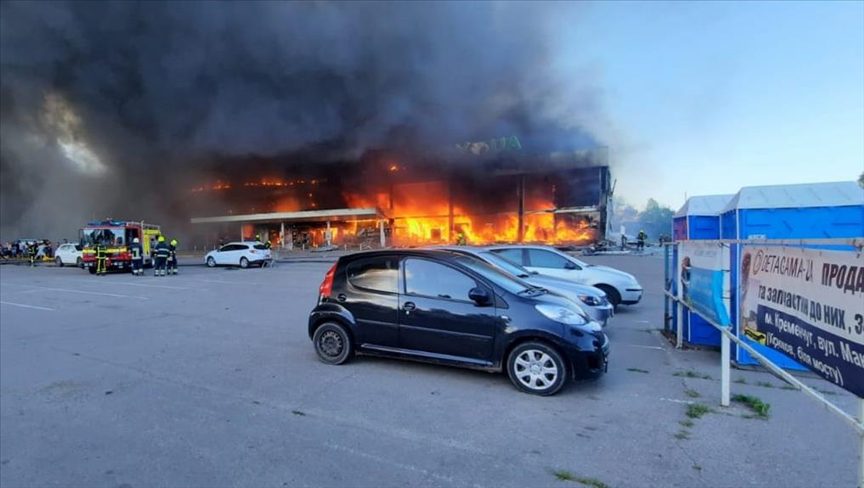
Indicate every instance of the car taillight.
{"type": "Point", "coordinates": [327, 285]}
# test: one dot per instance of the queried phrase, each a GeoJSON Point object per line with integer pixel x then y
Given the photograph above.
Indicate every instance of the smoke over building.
{"type": "Point", "coordinates": [119, 109]}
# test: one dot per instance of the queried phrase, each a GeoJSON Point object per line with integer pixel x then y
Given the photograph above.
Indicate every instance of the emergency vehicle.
{"type": "Point", "coordinates": [116, 235]}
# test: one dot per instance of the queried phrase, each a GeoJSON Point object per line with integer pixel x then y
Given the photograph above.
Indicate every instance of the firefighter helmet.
{"type": "Point", "coordinates": [135, 240]}
{"type": "Point", "coordinates": [161, 239]}
{"type": "Point", "coordinates": [173, 242]}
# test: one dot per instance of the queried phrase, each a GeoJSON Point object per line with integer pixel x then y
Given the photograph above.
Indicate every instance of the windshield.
{"type": "Point", "coordinates": [108, 236]}
{"type": "Point", "coordinates": [496, 275]}
{"type": "Point", "coordinates": [508, 266]}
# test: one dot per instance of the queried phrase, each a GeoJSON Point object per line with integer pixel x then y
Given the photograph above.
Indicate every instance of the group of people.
{"type": "Point", "coordinates": [30, 250]}
{"type": "Point", "coordinates": [162, 252]}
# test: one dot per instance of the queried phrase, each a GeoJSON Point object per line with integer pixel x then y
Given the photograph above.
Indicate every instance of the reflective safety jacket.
{"type": "Point", "coordinates": [162, 250]}
{"type": "Point", "coordinates": [137, 251]}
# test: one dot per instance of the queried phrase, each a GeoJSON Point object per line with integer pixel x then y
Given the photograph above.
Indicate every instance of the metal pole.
{"type": "Point", "coordinates": [788, 378]}
{"type": "Point", "coordinates": [282, 234]}
{"type": "Point", "coordinates": [381, 233]}
{"type": "Point", "coordinates": [679, 335]}
{"type": "Point", "coordinates": [861, 444]}
{"type": "Point", "coordinates": [724, 369]}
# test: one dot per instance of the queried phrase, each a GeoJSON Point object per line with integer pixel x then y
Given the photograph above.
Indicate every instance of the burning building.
{"type": "Point", "coordinates": [477, 193]}
{"type": "Point", "coordinates": [284, 119]}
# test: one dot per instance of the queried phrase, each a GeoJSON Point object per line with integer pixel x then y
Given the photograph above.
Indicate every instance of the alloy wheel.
{"type": "Point", "coordinates": [535, 369]}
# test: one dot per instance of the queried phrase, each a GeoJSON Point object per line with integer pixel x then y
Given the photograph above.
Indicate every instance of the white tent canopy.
{"type": "Point", "coordinates": [708, 205]}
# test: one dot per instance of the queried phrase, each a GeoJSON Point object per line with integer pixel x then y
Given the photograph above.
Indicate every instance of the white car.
{"type": "Point", "coordinates": [590, 299]}
{"type": "Point", "coordinates": [68, 254]}
{"type": "Point", "coordinates": [621, 288]}
{"type": "Point", "coordinates": [243, 254]}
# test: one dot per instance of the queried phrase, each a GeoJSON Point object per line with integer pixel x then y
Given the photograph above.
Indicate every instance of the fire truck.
{"type": "Point", "coordinates": [116, 235]}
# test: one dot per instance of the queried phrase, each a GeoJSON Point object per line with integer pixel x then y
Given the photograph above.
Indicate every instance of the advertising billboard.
{"type": "Point", "coordinates": [809, 305]}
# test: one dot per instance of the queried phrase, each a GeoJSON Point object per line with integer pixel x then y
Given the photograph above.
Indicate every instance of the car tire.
{"type": "Point", "coordinates": [244, 263]}
{"type": "Point", "coordinates": [333, 344]}
{"type": "Point", "coordinates": [79, 262]}
{"type": "Point", "coordinates": [211, 263]}
{"type": "Point", "coordinates": [58, 262]}
{"type": "Point", "coordinates": [612, 294]}
{"type": "Point", "coordinates": [92, 270]}
{"type": "Point", "coordinates": [537, 368]}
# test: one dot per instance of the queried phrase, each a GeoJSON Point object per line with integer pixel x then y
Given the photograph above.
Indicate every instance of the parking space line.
{"type": "Point", "coordinates": [66, 290]}
{"type": "Point", "coordinates": [133, 284]}
{"type": "Point", "coordinates": [17, 292]}
{"type": "Point", "coordinates": [386, 461]}
{"type": "Point", "coordinates": [226, 282]}
{"type": "Point", "coordinates": [34, 307]}
{"type": "Point", "coordinates": [640, 346]}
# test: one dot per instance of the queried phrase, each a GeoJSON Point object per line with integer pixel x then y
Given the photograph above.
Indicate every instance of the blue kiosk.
{"type": "Point", "coordinates": [807, 211]}
{"type": "Point", "coordinates": [699, 219]}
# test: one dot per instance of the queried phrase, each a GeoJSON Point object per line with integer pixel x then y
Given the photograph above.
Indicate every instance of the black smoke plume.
{"type": "Point", "coordinates": [111, 108]}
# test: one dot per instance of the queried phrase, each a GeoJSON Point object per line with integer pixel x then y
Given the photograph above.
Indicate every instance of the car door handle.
{"type": "Point", "coordinates": [408, 306]}
{"type": "Point", "coordinates": [341, 297]}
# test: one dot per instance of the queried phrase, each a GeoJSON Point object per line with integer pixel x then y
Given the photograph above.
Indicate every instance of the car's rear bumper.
{"type": "Point", "coordinates": [110, 264]}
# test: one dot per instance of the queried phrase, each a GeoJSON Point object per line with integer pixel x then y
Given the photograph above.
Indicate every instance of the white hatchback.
{"type": "Point", "coordinates": [243, 254]}
{"type": "Point", "coordinates": [68, 254]}
{"type": "Point", "coordinates": [621, 288]}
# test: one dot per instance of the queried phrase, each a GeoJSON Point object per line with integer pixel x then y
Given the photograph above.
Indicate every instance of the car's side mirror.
{"type": "Point", "coordinates": [569, 265]}
{"type": "Point", "coordinates": [479, 295]}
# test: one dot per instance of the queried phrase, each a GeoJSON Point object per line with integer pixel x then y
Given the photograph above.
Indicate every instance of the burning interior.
{"type": "Point", "coordinates": [387, 199]}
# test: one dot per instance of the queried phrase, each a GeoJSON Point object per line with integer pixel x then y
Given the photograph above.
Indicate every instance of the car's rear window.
{"type": "Point", "coordinates": [375, 274]}
{"type": "Point", "coordinates": [260, 246]}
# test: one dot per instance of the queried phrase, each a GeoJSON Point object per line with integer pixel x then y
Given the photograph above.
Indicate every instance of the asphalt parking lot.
{"type": "Point", "coordinates": [209, 379]}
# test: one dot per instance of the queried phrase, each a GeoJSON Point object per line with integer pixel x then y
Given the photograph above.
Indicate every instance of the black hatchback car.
{"type": "Point", "coordinates": [447, 308]}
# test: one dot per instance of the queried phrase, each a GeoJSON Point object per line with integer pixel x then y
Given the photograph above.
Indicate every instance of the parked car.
{"type": "Point", "coordinates": [68, 254]}
{"type": "Point", "coordinates": [448, 308]}
{"type": "Point", "coordinates": [621, 288]}
{"type": "Point", "coordinates": [243, 254]}
{"type": "Point", "coordinates": [592, 300]}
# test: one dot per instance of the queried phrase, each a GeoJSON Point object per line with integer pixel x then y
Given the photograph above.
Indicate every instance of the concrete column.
{"type": "Point", "coordinates": [383, 239]}
{"type": "Point", "coordinates": [328, 235]}
{"type": "Point", "coordinates": [282, 235]}
{"type": "Point", "coordinates": [241, 232]}
{"type": "Point", "coordinates": [520, 194]}
{"type": "Point", "coordinates": [450, 228]}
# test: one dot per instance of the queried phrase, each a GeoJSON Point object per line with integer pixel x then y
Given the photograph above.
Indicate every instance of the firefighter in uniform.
{"type": "Point", "coordinates": [640, 240]}
{"type": "Point", "coordinates": [161, 256]}
{"type": "Point", "coordinates": [137, 257]}
{"type": "Point", "coordinates": [101, 259]}
{"type": "Point", "coordinates": [172, 257]}
{"type": "Point", "coordinates": [32, 250]}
